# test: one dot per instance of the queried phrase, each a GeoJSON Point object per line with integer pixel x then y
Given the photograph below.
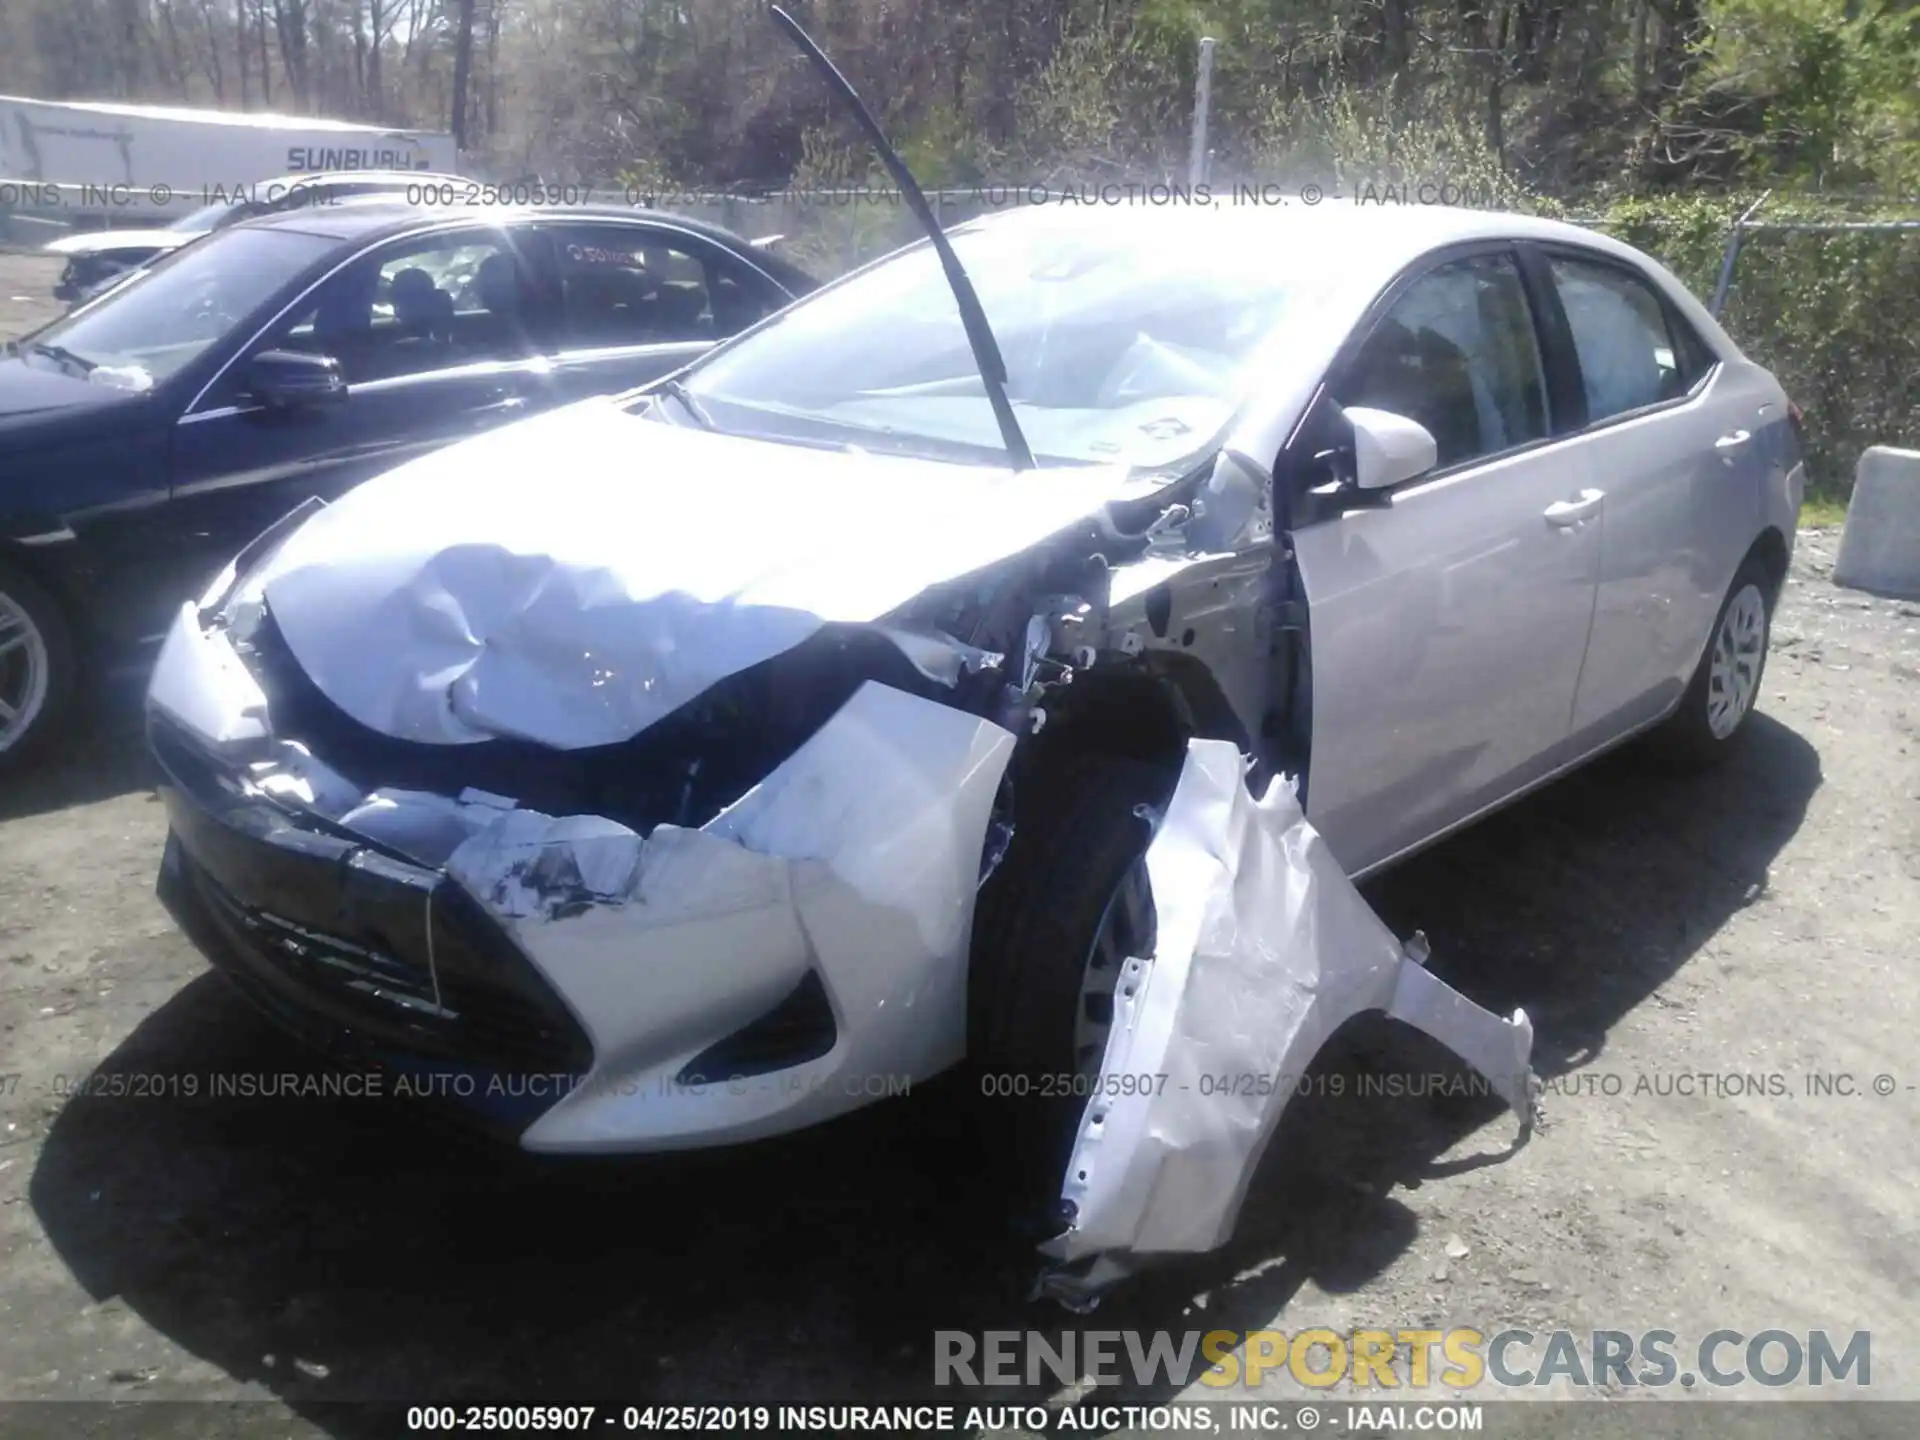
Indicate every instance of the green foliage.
{"type": "Point", "coordinates": [1645, 114]}
{"type": "Point", "coordinates": [943, 148]}
{"type": "Point", "coordinates": [839, 213]}
{"type": "Point", "coordinates": [1836, 82]}
{"type": "Point", "coordinates": [1348, 140]}
{"type": "Point", "coordinates": [1105, 104]}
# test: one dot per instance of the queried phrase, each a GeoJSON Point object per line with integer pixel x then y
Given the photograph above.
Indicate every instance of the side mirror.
{"type": "Point", "coordinates": [1388, 448]}
{"type": "Point", "coordinates": [294, 380]}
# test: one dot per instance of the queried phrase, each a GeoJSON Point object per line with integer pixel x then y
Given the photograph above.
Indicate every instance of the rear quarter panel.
{"type": "Point", "coordinates": [1772, 470]}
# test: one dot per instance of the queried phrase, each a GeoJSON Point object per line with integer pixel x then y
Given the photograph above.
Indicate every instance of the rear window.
{"type": "Point", "coordinates": [626, 285]}
{"type": "Point", "coordinates": [1633, 350]}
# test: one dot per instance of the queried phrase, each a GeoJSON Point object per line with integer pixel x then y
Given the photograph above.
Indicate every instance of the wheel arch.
{"type": "Point", "coordinates": [1770, 548]}
{"type": "Point", "coordinates": [59, 583]}
{"type": "Point", "coordinates": [1145, 709]}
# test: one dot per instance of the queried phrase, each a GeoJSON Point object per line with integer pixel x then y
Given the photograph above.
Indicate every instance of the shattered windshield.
{"type": "Point", "coordinates": [1128, 339]}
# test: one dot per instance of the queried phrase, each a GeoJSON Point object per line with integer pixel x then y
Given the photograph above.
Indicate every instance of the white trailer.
{"type": "Point", "coordinates": [111, 159]}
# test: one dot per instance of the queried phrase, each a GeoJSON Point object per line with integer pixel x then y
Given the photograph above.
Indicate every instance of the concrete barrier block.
{"type": "Point", "coordinates": [1880, 547]}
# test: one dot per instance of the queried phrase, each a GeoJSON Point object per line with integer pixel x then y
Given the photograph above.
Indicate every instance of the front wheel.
{"type": "Point", "coordinates": [1068, 906]}
{"type": "Point", "coordinates": [36, 666]}
{"type": "Point", "coordinates": [1721, 696]}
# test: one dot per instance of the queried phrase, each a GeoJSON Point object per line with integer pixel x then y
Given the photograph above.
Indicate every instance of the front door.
{"type": "Point", "coordinates": [1448, 621]}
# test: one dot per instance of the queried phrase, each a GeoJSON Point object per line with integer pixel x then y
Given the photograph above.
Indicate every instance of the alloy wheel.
{"type": "Point", "coordinates": [24, 672]}
{"type": "Point", "coordinates": [1733, 674]}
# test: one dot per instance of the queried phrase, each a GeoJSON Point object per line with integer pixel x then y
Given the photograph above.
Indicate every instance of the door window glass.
{"type": "Point", "coordinates": [1628, 353]}
{"type": "Point", "coordinates": [422, 306]}
{"type": "Point", "coordinates": [1457, 352]}
{"type": "Point", "coordinates": [624, 285]}
{"type": "Point", "coordinates": [164, 318]}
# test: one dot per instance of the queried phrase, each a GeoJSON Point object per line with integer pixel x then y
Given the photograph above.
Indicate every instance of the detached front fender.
{"type": "Point", "coordinates": [1264, 948]}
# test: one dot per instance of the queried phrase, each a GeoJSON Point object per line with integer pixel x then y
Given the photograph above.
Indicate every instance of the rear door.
{"type": "Point", "coordinates": [1669, 433]}
{"type": "Point", "coordinates": [640, 300]}
{"type": "Point", "coordinates": [1449, 617]}
{"type": "Point", "coordinates": [439, 338]}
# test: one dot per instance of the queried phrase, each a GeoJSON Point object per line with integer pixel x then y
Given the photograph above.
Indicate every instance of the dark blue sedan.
{"type": "Point", "coordinates": [145, 437]}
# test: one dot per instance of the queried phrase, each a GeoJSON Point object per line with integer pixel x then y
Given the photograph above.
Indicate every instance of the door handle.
{"type": "Point", "coordinates": [1733, 440]}
{"type": "Point", "coordinates": [1567, 513]}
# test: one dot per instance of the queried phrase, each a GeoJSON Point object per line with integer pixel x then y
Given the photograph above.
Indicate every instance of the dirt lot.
{"type": "Point", "coordinates": [1678, 943]}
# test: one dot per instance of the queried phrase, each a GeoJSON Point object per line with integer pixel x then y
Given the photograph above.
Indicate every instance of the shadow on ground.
{"type": "Point", "coordinates": [103, 754]}
{"type": "Point", "coordinates": [274, 1237]}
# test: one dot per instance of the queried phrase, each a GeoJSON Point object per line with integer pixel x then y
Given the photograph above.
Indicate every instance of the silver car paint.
{"type": "Point", "coordinates": [111, 243]}
{"type": "Point", "coordinates": [1674, 519]}
{"type": "Point", "coordinates": [1263, 949]}
{"type": "Point", "coordinates": [1449, 629]}
{"type": "Point", "coordinates": [857, 859]}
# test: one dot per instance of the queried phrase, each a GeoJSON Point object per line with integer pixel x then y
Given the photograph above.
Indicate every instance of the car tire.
{"type": "Point", "coordinates": [37, 668]}
{"type": "Point", "coordinates": [1073, 875]}
{"type": "Point", "coordinates": [1715, 711]}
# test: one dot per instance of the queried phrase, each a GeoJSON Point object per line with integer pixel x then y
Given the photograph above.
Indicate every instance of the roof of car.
{"type": "Point", "coordinates": [1382, 237]}
{"type": "Point", "coordinates": [375, 218]}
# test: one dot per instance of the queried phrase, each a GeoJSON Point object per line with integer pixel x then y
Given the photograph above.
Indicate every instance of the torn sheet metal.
{"type": "Point", "coordinates": [576, 577]}
{"type": "Point", "coordinates": [418, 823]}
{"type": "Point", "coordinates": [857, 859]}
{"type": "Point", "coordinates": [939, 656]}
{"type": "Point", "coordinates": [1206, 606]}
{"type": "Point", "coordinates": [1264, 949]}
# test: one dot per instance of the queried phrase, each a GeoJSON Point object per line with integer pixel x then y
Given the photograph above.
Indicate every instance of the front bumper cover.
{"type": "Point", "coordinates": [331, 938]}
{"type": "Point", "coordinates": [822, 919]}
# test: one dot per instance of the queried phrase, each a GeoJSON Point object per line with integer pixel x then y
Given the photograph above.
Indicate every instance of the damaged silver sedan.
{"type": "Point", "coordinates": [860, 702]}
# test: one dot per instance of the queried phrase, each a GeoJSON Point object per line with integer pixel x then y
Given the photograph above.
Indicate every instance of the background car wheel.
{"type": "Point", "coordinates": [1069, 903]}
{"type": "Point", "coordinates": [1713, 713]}
{"type": "Point", "coordinates": [36, 667]}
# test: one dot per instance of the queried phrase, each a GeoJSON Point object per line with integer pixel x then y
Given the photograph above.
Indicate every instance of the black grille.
{"type": "Point", "coordinates": [500, 1023]}
{"type": "Point", "coordinates": [336, 928]}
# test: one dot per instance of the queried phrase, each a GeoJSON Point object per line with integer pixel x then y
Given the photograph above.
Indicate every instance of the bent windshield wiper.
{"type": "Point", "coordinates": [687, 403]}
{"type": "Point", "coordinates": [63, 355]}
{"type": "Point", "coordinates": [986, 350]}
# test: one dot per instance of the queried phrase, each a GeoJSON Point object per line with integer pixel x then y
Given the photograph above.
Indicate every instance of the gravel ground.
{"type": "Point", "coordinates": [1754, 923]}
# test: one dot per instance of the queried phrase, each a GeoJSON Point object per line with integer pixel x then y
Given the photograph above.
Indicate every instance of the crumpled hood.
{"type": "Point", "coordinates": [582, 574]}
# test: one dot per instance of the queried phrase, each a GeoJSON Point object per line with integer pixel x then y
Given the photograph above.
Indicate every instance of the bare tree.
{"type": "Point", "coordinates": [290, 25]}
{"type": "Point", "coordinates": [462, 70]}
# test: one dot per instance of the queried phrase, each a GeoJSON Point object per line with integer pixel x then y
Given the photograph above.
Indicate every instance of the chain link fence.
{"type": "Point", "coordinates": [1825, 291]}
